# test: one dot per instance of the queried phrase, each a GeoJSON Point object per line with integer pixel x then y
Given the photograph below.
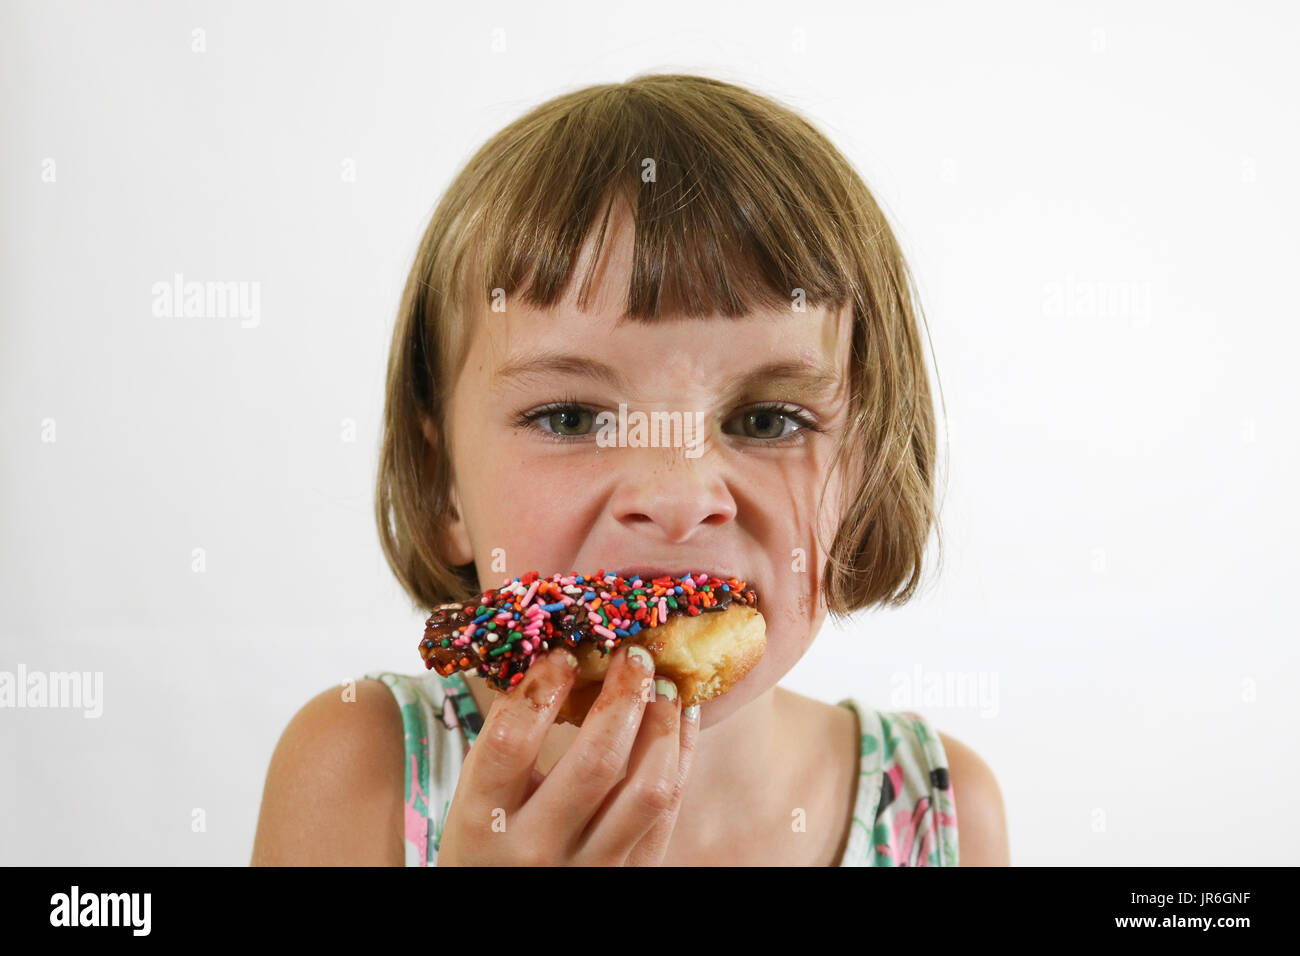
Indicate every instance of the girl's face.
{"type": "Point", "coordinates": [535, 491]}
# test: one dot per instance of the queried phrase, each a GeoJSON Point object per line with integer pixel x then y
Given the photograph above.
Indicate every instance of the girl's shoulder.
{"type": "Point", "coordinates": [978, 805]}
{"type": "Point", "coordinates": [332, 788]}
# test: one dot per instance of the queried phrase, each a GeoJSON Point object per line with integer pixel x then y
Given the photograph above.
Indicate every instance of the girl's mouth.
{"type": "Point", "coordinates": [649, 573]}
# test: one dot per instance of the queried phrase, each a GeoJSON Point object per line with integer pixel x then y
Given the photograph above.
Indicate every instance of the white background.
{"type": "Point", "coordinates": [1100, 206]}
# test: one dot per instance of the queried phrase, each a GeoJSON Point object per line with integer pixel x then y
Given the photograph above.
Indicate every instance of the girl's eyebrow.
{"type": "Point", "coordinates": [812, 377]}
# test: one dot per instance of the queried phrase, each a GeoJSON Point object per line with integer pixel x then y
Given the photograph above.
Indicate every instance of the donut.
{"type": "Point", "coordinates": [704, 632]}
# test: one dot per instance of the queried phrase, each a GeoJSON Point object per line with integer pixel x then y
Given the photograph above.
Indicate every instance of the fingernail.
{"type": "Point", "coordinates": [692, 712]}
{"type": "Point", "coordinates": [641, 656]}
{"type": "Point", "coordinates": [665, 689]}
{"type": "Point", "coordinates": [568, 657]}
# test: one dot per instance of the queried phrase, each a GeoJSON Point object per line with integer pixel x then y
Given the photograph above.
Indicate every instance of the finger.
{"type": "Point", "coordinates": [534, 781]}
{"type": "Point", "coordinates": [579, 782]}
{"type": "Point", "coordinates": [500, 765]}
{"type": "Point", "coordinates": [650, 849]}
{"type": "Point", "coordinates": [650, 788]}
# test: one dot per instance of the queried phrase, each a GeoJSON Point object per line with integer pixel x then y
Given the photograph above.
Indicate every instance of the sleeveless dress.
{"type": "Point", "coordinates": [904, 813]}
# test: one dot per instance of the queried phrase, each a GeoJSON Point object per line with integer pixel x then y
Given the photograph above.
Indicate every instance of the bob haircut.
{"type": "Point", "coordinates": [748, 205]}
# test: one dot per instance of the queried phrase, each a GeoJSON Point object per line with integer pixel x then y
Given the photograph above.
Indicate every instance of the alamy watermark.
{"type": "Point", "coordinates": [1074, 298]}
{"type": "Point", "coordinates": [63, 690]}
{"type": "Point", "coordinates": [179, 299]}
{"type": "Point", "coordinates": [651, 430]}
{"type": "Point", "coordinates": [945, 689]}
{"type": "Point", "coordinates": [76, 908]}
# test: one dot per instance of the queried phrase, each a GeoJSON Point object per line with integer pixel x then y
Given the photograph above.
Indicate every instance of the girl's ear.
{"type": "Point", "coordinates": [456, 546]}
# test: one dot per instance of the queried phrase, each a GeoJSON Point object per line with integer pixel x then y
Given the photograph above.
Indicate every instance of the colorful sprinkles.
{"type": "Point", "coordinates": [500, 635]}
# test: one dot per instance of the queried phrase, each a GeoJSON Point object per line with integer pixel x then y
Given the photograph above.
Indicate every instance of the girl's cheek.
{"type": "Point", "coordinates": [531, 529]}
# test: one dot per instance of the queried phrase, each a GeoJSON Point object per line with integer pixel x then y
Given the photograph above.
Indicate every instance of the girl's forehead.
{"type": "Point", "coordinates": [523, 325]}
{"type": "Point", "coordinates": [526, 346]}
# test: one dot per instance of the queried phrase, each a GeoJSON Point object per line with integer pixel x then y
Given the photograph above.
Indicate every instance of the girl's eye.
{"type": "Point", "coordinates": [569, 421]}
{"type": "Point", "coordinates": [770, 423]}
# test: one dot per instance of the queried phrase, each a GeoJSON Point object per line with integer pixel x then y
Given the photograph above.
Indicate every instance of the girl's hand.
{"type": "Point", "coordinates": [506, 813]}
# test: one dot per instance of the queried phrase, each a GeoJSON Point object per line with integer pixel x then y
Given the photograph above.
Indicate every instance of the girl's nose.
{"type": "Point", "coordinates": [665, 492]}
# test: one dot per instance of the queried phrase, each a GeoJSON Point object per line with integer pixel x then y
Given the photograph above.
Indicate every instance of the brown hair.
{"type": "Point", "coordinates": [748, 203]}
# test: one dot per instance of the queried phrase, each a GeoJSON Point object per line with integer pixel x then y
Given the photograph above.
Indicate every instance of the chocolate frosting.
{"type": "Point", "coordinates": [500, 635]}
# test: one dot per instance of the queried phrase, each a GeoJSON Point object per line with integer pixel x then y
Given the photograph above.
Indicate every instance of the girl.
{"type": "Point", "coordinates": [670, 244]}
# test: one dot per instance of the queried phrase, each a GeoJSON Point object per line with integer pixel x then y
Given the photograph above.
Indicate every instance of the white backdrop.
{"type": "Point", "coordinates": [1099, 205]}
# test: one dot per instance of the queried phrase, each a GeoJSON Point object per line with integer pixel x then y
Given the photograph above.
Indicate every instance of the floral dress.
{"type": "Point", "coordinates": [904, 813]}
